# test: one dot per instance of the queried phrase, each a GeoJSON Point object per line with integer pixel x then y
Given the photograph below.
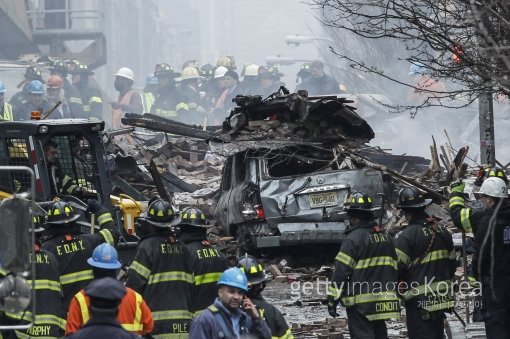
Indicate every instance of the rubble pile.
{"type": "Point", "coordinates": [324, 120]}
{"type": "Point", "coordinates": [187, 169]}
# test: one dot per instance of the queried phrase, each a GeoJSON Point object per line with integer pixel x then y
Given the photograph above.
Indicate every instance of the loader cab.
{"type": "Point", "coordinates": [79, 152]}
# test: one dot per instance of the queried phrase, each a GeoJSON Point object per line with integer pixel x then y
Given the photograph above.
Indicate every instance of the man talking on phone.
{"type": "Point", "coordinates": [232, 315]}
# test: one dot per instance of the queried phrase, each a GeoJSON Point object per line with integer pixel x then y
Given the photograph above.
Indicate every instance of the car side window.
{"type": "Point", "coordinates": [226, 181]}
{"type": "Point", "coordinates": [240, 167]}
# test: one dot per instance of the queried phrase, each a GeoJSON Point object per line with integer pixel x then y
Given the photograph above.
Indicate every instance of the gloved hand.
{"type": "Point", "coordinates": [457, 186]}
{"type": "Point", "coordinates": [332, 305]}
{"type": "Point", "coordinates": [103, 215]}
{"type": "Point", "coordinates": [95, 207]}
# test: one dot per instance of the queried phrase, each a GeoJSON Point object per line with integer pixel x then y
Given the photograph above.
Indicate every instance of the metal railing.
{"type": "Point", "coordinates": [64, 20]}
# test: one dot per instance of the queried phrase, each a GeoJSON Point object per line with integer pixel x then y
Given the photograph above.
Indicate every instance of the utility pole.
{"type": "Point", "coordinates": [486, 121]}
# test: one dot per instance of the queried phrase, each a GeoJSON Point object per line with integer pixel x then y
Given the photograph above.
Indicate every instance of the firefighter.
{"type": "Point", "coordinates": [206, 261]}
{"type": "Point", "coordinates": [71, 248]}
{"type": "Point", "coordinates": [426, 264]}
{"type": "Point", "coordinates": [5, 107]}
{"type": "Point", "coordinates": [257, 282]}
{"type": "Point", "coordinates": [231, 315]}
{"type": "Point", "coordinates": [90, 95]}
{"type": "Point", "coordinates": [192, 96]}
{"type": "Point", "coordinates": [60, 183]}
{"type": "Point", "coordinates": [168, 96]}
{"type": "Point", "coordinates": [49, 308]}
{"type": "Point", "coordinates": [106, 296]}
{"type": "Point", "coordinates": [149, 92]}
{"type": "Point", "coordinates": [365, 275]}
{"type": "Point", "coordinates": [71, 93]}
{"type": "Point", "coordinates": [492, 240]}
{"type": "Point", "coordinates": [134, 314]}
{"type": "Point", "coordinates": [161, 272]}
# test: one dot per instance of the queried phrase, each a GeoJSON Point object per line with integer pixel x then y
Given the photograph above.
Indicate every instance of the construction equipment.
{"type": "Point", "coordinates": [16, 249]}
{"type": "Point", "coordinates": [81, 158]}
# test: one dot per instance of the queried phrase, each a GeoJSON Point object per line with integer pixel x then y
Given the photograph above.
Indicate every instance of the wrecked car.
{"type": "Point", "coordinates": [290, 196]}
{"type": "Point", "coordinates": [284, 180]}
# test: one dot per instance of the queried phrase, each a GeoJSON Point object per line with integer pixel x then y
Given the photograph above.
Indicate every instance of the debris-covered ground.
{"type": "Point", "coordinates": [190, 159]}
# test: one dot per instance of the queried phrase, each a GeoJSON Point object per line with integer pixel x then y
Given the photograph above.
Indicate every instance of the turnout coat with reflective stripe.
{"type": "Point", "coordinates": [72, 252]}
{"type": "Point", "coordinates": [426, 274]}
{"type": "Point", "coordinates": [274, 319]}
{"type": "Point", "coordinates": [207, 264]}
{"type": "Point", "coordinates": [463, 216]}
{"type": "Point", "coordinates": [50, 311]}
{"type": "Point", "coordinates": [161, 273]}
{"type": "Point", "coordinates": [365, 275]}
{"type": "Point", "coordinates": [134, 314]}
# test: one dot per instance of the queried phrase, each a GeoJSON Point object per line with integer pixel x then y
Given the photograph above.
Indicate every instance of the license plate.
{"type": "Point", "coordinates": [323, 199]}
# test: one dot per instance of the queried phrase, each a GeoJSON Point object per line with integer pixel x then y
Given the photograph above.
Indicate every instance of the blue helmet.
{"type": "Point", "coordinates": [2, 87]}
{"type": "Point", "coordinates": [151, 79]}
{"type": "Point", "coordinates": [105, 256]}
{"type": "Point", "coordinates": [417, 68]}
{"type": "Point", "coordinates": [234, 277]}
{"type": "Point", "coordinates": [35, 87]}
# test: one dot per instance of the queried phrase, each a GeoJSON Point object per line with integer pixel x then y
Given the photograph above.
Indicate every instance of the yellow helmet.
{"type": "Point", "coordinates": [190, 72]}
{"type": "Point", "coordinates": [227, 61]}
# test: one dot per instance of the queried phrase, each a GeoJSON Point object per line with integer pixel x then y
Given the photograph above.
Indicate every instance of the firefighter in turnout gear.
{"type": "Point", "coordinates": [161, 272]}
{"type": "Point", "coordinates": [50, 311]}
{"type": "Point", "coordinates": [492, 242]}
{"type": "Point", "coordinates": [71, 248]}
{"type": "Point", "coordinates": [207, 262]}
{"type": "Point", "coordinates": [365, 275]}
{"type": "Point", "coordinates": [257, 282]}
{"type": "Point", "coordinates": [426, 263]}
{"type": "Point", "coordinates": [90, 95]}
{"type": "Point", "coordinates": [134, 314]}
{"type": "Point", "coordinates": [465, 217]}
{"type": "Point", "coordinates": [231, 315]}
{"type": "Point", "coordinates": [71, 93]}
{"type": "Point", "coordinates": [168, 97]}
{"type": "Point", "coordinates": [60, 183]}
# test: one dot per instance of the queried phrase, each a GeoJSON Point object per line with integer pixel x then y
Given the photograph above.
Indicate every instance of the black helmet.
{"type": "Point", "coordinates": [498, 173]}
{"type": "Point", "coordinates": [160, 213]}
{"type": "Point", "coordinates": [165, 70]}
{"type": "Point", "coordinates": [82, 69]}
{"type": "Point", "coordinates": [60, 213]}
{"type": "Point", "coordinates": [38, 221]}
{"type": "Point", "coordinates": [193, 217]}
{"type": "Point", "coordinates": [359, 201]}
{"type": "Point", "coordinates": [207, 71]}
{"type": "Point", "coordinates": [60, 66]}
{"type": "Point", "coordinates": [252, 269]}
{"type": "Point", "coordinates": [411, 197]}
{"type": "Point", "coordinates": [33, 73]}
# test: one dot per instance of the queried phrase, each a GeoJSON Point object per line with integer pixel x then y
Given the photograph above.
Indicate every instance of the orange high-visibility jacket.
{"type": "Point", "coordinates": [134, 314]}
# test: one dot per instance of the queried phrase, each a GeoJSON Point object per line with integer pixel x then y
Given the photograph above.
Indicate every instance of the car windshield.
{"type": "Point", "coordinates": [299, 161]}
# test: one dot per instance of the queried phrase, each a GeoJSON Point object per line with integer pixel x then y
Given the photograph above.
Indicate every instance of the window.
{"type": "Point", "coordinates": [298, 161]}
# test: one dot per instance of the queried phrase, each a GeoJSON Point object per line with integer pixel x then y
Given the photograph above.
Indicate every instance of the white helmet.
{"type": "Point", "coordinates": [494, 187]}
{"type": "Point", "coordinates": [126, 73]}
{"type": "Point", "coordinates": [190, 72]}
{"type": "Point", "coordinates": [251, 70]}
{"type": "Point", "coordinates": [220, 72]}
